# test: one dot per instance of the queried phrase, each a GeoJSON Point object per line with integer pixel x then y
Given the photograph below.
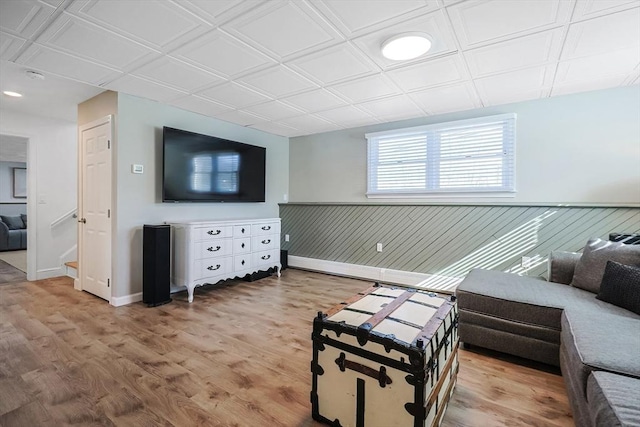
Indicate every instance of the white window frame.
{"type": "Point", "coordinates": [431, 160]}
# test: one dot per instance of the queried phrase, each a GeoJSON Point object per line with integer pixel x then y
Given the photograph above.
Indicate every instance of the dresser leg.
{"type": "Point", "coordinates": [190, 291]}
{"type": "Point", "coordinates": [279, 271]}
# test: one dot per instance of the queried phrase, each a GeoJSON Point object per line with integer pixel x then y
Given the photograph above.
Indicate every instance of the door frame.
{"type": "Point", "coordinates": [77, 284]}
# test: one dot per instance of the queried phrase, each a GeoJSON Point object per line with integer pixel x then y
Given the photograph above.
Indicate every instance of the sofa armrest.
{"type": "Point", "coordinates": [4, 236]}
{"type": "Point", "coordinates": [561, 266]}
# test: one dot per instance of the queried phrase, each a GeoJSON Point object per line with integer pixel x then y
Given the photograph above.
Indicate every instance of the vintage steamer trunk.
{"type": "Point", "coordinates": [386, 357]}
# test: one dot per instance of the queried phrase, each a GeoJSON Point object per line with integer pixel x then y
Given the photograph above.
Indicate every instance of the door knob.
{"type": "Point", "coordinates": [83, 220]}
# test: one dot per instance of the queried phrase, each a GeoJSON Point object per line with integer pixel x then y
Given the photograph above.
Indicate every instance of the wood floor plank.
{"type": "Point", "coordinates": [237, 356]}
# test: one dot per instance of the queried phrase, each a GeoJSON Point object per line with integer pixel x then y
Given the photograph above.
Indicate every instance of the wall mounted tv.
{"type": "Point", "coordinates": [201, 168]}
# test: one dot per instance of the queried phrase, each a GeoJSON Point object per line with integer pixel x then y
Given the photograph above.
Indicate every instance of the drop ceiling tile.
{"type": "Point", "coordinates": [273, 110]}
{"type": "Point", "coordinates": [334, 64]}
{"type": "Point", "coordinates": [238, 117]}
{"type": "Point", "coordinates": [80, 38]}
{"type": "Point", "coordinates": [308, 124]}
{"type": "Point", "coordinates": [223, 54]}
{"type": "Point", "coordinates": [144, 88]}
{"type": "Point", "coordinates": [430, 73]}
{"type": "Point", "coordinates": [359, 16]}
{"type": "Point", "coordinates": [509, 85]}
{"type": "Point", "coordinates": [65, 65]}
{"type": "Point", "coordinates": [366, 88]}
{"type": "Point", "coordinates": [217, 12]}
{"type": "Point", "coordinates": [234, 95]}
{"type": "Point", "coordinates": [284, 29]}
{"type": "Point", "coordinates": [586, 86]}
{"type": "Point", "coordinates": [599, 35]}
{"type": "Point", "coordinates": [24, 18]}
{"type": "Point", "coordinates": [540, 48]}
{"type": "Point", "coordinates": [9, 45]}
{"type": "Point", "coordinates": [348, 116]}
{"type": "Point", "coordinates": [394, 108]}
{"type": "Point", "coordinates": [618, 63]}
{"type": "Point", "coordinates": [180, 75]}
{"type": "Point", "coordinates": [313, 101]}
{"type": "Point", "coordinates": [479, 22]}
{"type": "Point", "coordinates": [277, 82]}
{"type": "Point", "coordinates": [586, 9]}
{"type": "Point", "coordinates": [444, 99]}
{"type": "Point", "coordinates": [157, 23]}
{"type": "Point", "coordinates": [433, 24]}
{"type": "Point", "coordinates": [275, 128]}
{"type": "Point", "coordinates": [200, 105]}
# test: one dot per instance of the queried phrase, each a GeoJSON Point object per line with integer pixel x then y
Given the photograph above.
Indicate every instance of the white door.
{"type": "Point", "coordinates": [95, 209]}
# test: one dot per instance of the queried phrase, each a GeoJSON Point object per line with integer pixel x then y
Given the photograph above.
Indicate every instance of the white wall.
{"type": "Point", "coordinates": [51, 188]}
{"type": "Point", "coordinates": [139, 125]}
{"type": "Point", "coordinates": [574, 149]}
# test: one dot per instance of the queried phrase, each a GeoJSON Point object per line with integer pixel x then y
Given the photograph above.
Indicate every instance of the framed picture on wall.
{"type": "Point", "coordinates": [20, 183]}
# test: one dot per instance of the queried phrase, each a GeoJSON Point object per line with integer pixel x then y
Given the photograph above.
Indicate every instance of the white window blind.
{"type": "Point", "coordinates": [476, 155]}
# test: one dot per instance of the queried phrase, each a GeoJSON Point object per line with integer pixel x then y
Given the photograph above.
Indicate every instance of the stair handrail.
{"type": "Point", "coordinates": [73, 213]}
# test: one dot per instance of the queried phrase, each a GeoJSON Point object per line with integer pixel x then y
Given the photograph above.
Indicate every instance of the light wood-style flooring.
{"type": "Point", "coordinates": [239, 355]}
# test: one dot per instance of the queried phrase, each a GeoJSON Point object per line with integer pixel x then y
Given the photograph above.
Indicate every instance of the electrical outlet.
{"type": "Point", "coordinates": [379, 247]}
{"type": "Point", "coordinates": [286, 237]}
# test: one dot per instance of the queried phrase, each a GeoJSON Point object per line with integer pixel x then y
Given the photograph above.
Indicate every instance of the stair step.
{"type": "Point", "coordinates": [71, 269]}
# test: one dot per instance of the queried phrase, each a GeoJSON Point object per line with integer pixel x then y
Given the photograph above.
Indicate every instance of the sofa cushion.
{"type": "Point", "coordinates": [613, 399]}
{"type": "Point", "coordinates": [24, 220]}
{"type": "Point", "coordinates": [621, 286]}
{"type": "Point", "coordinates": [13, 222]}
{"type": "Point", "coordinates": [590, 269]}
{"type": "Point", "coordinates": [597, 340]}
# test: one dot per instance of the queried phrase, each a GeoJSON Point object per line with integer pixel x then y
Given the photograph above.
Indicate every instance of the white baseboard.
{"type": "Point", "coordinates": [378, 274]}
{"type": "Point", "coordinates": [47, 273]}
{"type": "Point", "coordinates": [127, 299]}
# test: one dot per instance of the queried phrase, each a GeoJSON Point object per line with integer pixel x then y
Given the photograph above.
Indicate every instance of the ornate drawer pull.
{"type": "Point", "coordinates": [242, 246]}
{"type": "Point", "coordinates": [242, 230]}
{"type": "Point", "coordinates": [212, 268]}
{"type": "Point", "coordinates": [266, 242]}
{"type": "Point", "coordinates": [266, 228]}
{"type": "Point", "coordinates": [210, 249]}
{"type": "Point", "coordinates": [265, 256]}
{"type": "Point", "coordinates": [214, 233]}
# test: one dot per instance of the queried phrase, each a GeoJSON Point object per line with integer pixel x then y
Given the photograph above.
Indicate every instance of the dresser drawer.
{"type": "Point", "coordinates": [242, 262]}
{"type": "Point", "coordinates": [262, 243]}
{"type": "Point", "coordinates": [241, 230]}
{"type": "Point", "coordinates": [213, 232]}
{"type": "Point", "coordinates": [214, 248]}
{"type": "Point", "coordinates": [241, 246]}
{"type": "Point", "coordinates": [212, 267]}
{"type": "Point", "coordinates": [266, 228]}
{"type": "Point", "coordinates": [266, 258]}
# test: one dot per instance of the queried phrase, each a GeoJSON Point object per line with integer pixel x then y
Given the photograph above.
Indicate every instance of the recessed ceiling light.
{"type": "Point", "coordinates": [406, 46]}
{"type": "Point", "coordinates": [13, 94]}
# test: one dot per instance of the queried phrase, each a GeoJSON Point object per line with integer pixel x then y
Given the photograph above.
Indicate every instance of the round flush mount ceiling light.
{"type": "Point", "coordinates": [406, 46]}
{"type": "Point", "coordinates": [12, 94]}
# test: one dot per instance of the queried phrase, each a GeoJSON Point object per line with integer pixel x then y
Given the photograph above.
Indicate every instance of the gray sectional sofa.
{"type": "Point", "coordinates": [564, 322]}
{"type": "Point", "coordinates": [13, 232]}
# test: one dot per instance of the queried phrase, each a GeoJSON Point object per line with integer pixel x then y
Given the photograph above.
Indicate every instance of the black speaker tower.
{"type": "Point", "coordinates": [156, 264]}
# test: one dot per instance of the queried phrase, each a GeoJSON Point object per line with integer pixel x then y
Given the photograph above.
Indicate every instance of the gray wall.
{"type": "Point", "coordinates": [139, 125]}
{"type": "Point", "coordinates": [6, 181]}
{"type": "Point", "coordinates": [579, 150]}
{"type": "Point", "coordinates": [574, 149]}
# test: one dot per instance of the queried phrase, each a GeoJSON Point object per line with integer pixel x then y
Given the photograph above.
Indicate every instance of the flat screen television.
{"type": "Point", "coordinates": [202, 168]}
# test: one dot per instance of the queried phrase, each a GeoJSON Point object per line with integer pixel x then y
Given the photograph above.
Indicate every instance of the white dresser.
{"type": "Point", "coordinates": [210, 251]}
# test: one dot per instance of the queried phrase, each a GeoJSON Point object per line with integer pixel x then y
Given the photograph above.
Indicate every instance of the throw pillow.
{"type": "Point", "coordinates": [24, 219]}
{"type": "Point", "coordinates": [621, 286]}
{"type": "Point", "coordinates": [13, 222]}
{"type": "Point", "coordinates": [590, 268]}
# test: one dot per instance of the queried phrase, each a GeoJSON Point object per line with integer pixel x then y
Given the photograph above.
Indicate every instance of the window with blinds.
{"type": "Point", "coordinates": [476, 156]}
